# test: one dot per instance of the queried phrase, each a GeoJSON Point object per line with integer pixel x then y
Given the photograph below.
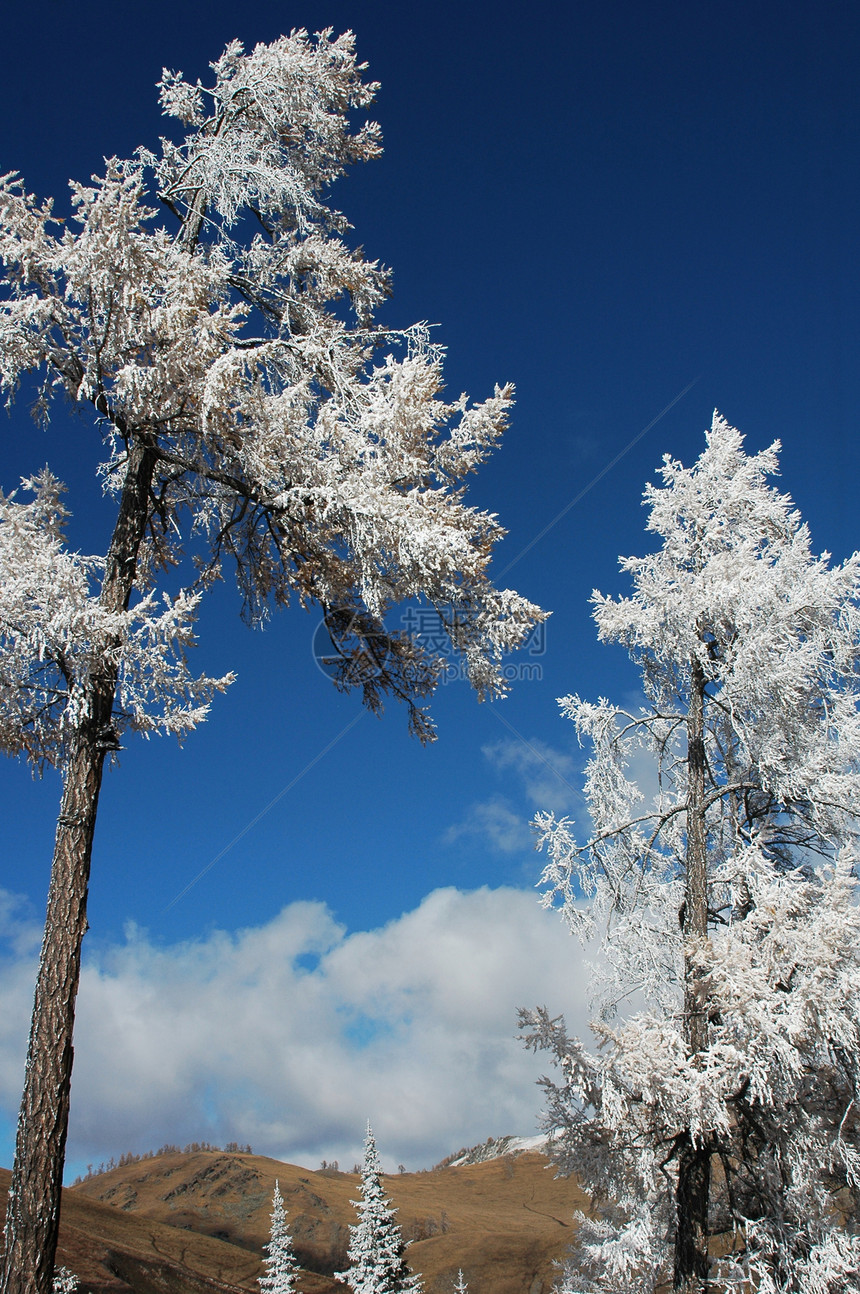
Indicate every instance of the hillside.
{"type": "Point", "coordinates": [113, 1252]}
{"type": "Point", "coordinates": [196, 1223]}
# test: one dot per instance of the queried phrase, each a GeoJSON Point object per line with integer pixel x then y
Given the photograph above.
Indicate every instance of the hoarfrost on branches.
{"type": "Point", "coordinates": [302, 448]}
{"type": "Point", "coordinates": [280, 1261]}
{"type": "Point", "coordinates": [717, 1124]}
{"type": "Point", "coordinates": [376, 1247]}
{"type": "Point", "coordinates": [203, 303]}
{"type": "Point", "coordinates": [55, 637]}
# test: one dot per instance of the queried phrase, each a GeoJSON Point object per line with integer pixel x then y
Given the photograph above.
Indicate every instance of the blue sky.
{"type": "Point", "coordinates": [601, 203]}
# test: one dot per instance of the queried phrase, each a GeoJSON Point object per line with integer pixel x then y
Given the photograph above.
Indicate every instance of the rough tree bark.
{"type": "Point", "coordinates": [33, 1210]}
{"type": "Point", "coordinates": [694, 1159]}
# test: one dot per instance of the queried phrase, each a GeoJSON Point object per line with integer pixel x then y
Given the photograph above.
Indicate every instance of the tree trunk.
{"type": "Point", "coordinates": [694, 1160]}
{"type": "Point", "coordinates": [33, 1210]}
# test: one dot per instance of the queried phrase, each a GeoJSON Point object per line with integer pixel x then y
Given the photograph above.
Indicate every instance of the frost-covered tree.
{"type": "Point", "coordinates": [65, 1281]}
{"type": "Point", "coordinates": [203, 305]}
{"type": "Point", "coordinates": [377, 1264]}
{"type": "Point", "coordinates": [280, 1261]}
{"type": "Point", "coordinates": [717, 1126]}
{"type": "Point", "coordinates": [462, 1286]}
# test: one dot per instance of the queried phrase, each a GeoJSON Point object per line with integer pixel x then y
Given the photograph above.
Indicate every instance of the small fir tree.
{"type": "Point", "coordinates": [280, 1261]}
{"type": "Point", "coordinates": [65, 1281]}
{"type": "Point", "coordinates": [462, 1286]}
{"type": "Point", "coordinates": [376, 1245]}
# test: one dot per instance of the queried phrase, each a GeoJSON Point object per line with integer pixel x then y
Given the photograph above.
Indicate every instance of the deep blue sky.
{"type": "Point", "coordinates": [600, 203]}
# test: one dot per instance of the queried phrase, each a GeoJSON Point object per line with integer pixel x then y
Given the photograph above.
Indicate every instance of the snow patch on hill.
{"type": "Point", "coordinates": [494, 1148]}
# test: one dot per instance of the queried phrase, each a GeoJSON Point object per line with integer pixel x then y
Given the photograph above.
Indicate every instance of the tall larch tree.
{"type": "Point", "coordinates": [717, 1125]}
{"type": "Point", "coordinates": [377, 1263]}
{"type": "Point", "coordinates": [203, 304]}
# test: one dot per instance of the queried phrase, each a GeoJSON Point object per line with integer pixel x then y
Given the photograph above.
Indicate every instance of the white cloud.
{"type": "Point", "coordinates": [495, 823]}
{"type": "Point", "coordinates": [291, 1034]}
{"type": "Point", "coordinates": [551, 778]}
{"type": "Point", "coordinates": [20, 938]}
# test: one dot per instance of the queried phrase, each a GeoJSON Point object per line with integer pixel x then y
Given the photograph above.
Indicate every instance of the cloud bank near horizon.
{"type": "Point", "coordinates": [290, 1035]}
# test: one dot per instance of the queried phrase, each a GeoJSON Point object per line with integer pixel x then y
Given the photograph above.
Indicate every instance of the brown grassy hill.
{"type": "Point", "coordinates": [503, 1222]}
{"type": "Point", "coordinates": [116, 1253]}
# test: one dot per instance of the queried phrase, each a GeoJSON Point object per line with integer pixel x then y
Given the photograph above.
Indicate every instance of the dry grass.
{"type": "Point", "coordinates": [196, 1224]}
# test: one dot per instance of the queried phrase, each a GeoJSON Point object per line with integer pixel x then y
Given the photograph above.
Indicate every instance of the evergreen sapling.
{"type": "Point", "coordinates": [280, 1261]}
{"type": "Point", "coordinates": [376, 1246]}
